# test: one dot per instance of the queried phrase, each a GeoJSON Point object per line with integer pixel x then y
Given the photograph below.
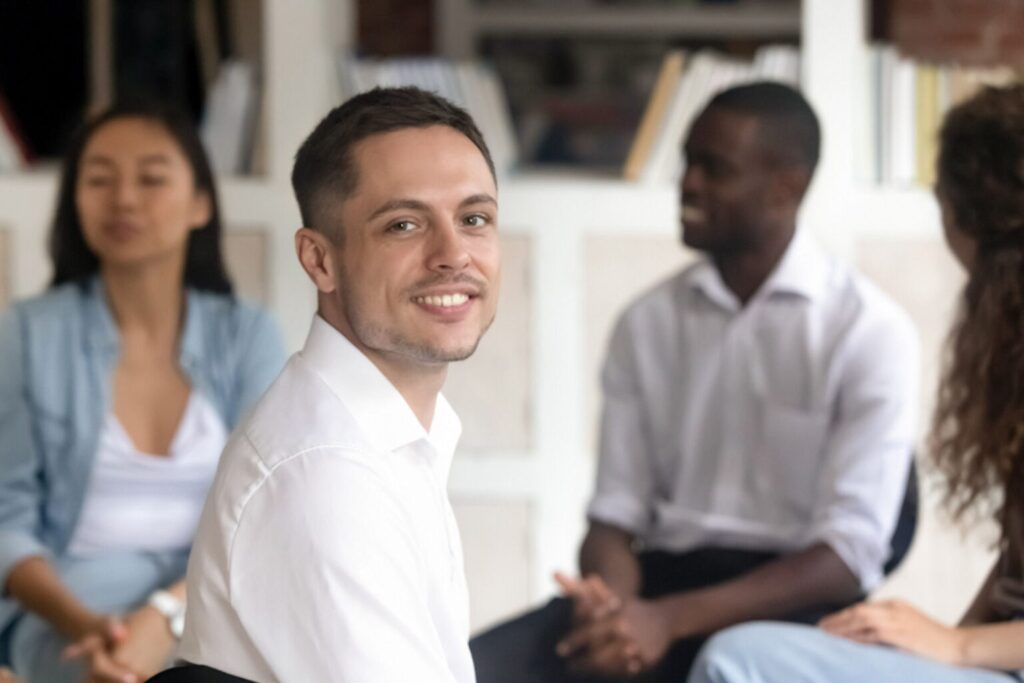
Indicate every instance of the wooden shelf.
{"type": "Point", "coordinates": [750, 20]}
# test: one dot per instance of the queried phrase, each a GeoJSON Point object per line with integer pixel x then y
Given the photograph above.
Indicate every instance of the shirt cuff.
{"type": "Point", "coordinates": [620, 511]}
{"type": "Point", "coordinates": [860, 552]}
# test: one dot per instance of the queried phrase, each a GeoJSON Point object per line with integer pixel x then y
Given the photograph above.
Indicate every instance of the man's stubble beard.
{"type": "Point", "coordinates": [391, 341]}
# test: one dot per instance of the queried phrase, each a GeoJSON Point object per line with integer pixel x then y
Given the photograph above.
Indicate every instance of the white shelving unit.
{"type": "Point", "coordinates": [558, 214]}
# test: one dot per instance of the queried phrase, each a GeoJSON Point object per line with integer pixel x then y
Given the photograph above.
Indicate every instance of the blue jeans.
{"type": "Point", "coordinates": [772, 652]}
{"type": "Point", "coordinates": [113, 584]}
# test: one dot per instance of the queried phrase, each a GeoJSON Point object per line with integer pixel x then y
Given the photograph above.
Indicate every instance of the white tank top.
{"type": "Point", "coordinates": [141, 502]}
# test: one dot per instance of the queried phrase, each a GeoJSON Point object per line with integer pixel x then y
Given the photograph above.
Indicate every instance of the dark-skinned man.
{"type": "Point", "coordinates": [757, 426]}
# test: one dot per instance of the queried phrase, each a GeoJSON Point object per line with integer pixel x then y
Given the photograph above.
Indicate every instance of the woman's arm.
{"type": "Point", "coordinates": [34, 583]}
{"type": "Point", "coordinates": [993, 646]}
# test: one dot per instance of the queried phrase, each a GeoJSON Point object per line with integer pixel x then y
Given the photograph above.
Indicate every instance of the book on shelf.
{"type": "Point", "coordinates": [707, 73]}
{"type": "Point", "coordinates": [471, 84]}
{"type": "Point", "coordinates": [654, 115]}
{"type": "Point", "coordinates": [229, 117]}
{"type": "Point", "coordinates": [910, 100]}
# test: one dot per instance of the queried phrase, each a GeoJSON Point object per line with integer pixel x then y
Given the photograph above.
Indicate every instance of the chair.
{"type": "Point", "coordinates": [906, 524]}
{"type": "Point", "coordinates": [195, 673]}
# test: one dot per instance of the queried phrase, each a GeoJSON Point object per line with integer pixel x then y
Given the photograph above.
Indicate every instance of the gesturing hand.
{"type": "Point", "coordinates": [896, 623]}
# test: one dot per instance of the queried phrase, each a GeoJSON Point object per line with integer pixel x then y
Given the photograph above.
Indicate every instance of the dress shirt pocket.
{"type": "Point", "coordinates": [793, 442]}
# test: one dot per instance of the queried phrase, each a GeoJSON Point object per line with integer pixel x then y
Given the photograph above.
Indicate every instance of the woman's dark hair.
{"type": "Point", "coordinates": [74, 261]}
{"type": "Point", "coordinates": [978, 435]}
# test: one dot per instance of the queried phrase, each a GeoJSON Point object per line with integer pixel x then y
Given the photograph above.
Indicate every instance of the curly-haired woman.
{"type": "Point", "coordinates": [977, 440]}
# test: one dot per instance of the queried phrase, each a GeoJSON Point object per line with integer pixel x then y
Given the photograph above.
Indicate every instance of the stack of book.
{"type": "Point", "coordinates": [470, 84]}
{"type": "Point", "coordinates": [909, 101]}
{"type": "Point", "coordinates": [683, 88]}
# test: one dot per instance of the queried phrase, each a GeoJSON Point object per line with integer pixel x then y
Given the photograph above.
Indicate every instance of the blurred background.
{"type": "Point", "coordinates": [584, 103]}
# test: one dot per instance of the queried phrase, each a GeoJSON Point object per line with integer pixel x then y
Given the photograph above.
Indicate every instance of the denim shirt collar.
{"type": "Point", "coordinates": [103, 336]}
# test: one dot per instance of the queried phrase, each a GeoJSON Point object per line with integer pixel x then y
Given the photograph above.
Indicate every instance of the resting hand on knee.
{"type": "Point", "coordinates": [897, 623]}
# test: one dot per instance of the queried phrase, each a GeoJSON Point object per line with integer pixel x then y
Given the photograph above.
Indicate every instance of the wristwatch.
{"type": "Point", "coordinates": [172, 608]}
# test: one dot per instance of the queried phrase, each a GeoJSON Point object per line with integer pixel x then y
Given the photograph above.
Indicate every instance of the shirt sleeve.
{"type": "Point", "coordinates": [625, 476]}
{"type": "Point", "coordinates": [20, 483]}
{"type": "Point", "coordinates": [261, 361]}
{"type": "Point", "coordinates": [868, 451]}
{"type": "Point", "coordinates": [327, 578]}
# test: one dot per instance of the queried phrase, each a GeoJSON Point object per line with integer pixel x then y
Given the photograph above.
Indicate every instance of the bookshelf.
{"type": "Point", "coordinates": [570, 229]}
{"type": "Point", "coordinates": [578, 73]}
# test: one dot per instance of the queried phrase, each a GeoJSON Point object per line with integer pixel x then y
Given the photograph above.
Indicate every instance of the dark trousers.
{"type": "Point", "coordinates": [523, 650]}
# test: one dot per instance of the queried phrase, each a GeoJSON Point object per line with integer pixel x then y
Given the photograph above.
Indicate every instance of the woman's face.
{"type": "Point", "coordinates": [959, 242]}
{"type": "Point", "coordinates": [136, 196]}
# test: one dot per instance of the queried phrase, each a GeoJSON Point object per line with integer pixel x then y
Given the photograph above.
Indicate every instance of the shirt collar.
{"type": "Point", "coordinates": [386, 419]}
{"type": "Point", "coordinates": [803, 270]}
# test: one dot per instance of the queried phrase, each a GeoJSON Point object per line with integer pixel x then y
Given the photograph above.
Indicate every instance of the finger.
{"type": "Point", "coordinates": [605, 600]}
{"type": "Point", "coordinates": [105, 670]}
{"type": "Point", "coordinates": [115, 630]}
{"type": "Point", "coordinates": [591, 635]}
{"type": "Point", "coordinates": [610, 659]}
{"type": "Point", "coordinates": [83, 647]}
{"type": "Point", "coordinates": [569, 585]}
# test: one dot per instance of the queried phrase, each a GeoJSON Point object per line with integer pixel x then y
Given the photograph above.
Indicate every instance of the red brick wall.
{"type": "Point", "coordinates": [975, 32]}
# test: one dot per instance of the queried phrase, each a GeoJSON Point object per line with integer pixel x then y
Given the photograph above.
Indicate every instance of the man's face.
{"type": "Point", "coordinates": [726, 185]}
{"type": "Point", "coordinates": [419, 262]}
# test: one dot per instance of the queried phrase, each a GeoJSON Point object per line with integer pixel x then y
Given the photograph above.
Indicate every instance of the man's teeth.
{"type": "Point", "coordinates": [445, 301]}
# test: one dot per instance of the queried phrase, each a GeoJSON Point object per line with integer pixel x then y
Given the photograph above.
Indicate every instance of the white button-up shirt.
{"type": "Point", "coordinates": [327, 550]}
{"type": "Point", "coordinates": [769, 426]}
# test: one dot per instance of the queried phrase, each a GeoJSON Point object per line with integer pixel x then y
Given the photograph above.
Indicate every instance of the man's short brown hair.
{"type": "Point", "coordinates": [325, 173]}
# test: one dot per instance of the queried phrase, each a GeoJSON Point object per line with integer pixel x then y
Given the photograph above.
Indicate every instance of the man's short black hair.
{"type": "Point", "coordinates": [325, 173]}
{"type": "Point", "coordinates": [792, 132]}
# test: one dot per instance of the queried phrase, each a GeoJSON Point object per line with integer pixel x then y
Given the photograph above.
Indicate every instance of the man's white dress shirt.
{"type": "Point", "coordinates": [327, 550]}
{"type": "Point", "coordinates": [769, 426]}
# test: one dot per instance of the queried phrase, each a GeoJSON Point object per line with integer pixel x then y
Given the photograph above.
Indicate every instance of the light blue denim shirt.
{"type": "Point", "coordinates": [57, 355]}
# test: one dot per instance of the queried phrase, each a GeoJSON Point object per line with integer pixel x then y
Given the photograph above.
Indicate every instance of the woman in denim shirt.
{"type": "Point", "coordinates": [977, 442]}
{"type": "Point", "coordinates": [117, 389]}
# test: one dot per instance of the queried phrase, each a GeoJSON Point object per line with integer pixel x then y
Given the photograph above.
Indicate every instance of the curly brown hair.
{"type": "Point", "coordinates": [978, 434]}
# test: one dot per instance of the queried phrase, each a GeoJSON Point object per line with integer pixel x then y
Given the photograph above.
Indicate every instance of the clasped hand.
{"type": "Point", "coordinates": [128, 650]}
{"type": "Point", "coordinates": [611, 636]}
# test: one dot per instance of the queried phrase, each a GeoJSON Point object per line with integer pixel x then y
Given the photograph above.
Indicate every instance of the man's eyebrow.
{"type": "Point", "coordinates": [417, 205]}
{"type": "Point", "coordinates": [396, 204]}
{"type": "Point", "coordinates": [482, 198]}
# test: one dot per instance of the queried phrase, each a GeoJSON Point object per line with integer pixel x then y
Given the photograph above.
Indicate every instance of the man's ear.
{"type": "Point", "coordinates": [317, 255]}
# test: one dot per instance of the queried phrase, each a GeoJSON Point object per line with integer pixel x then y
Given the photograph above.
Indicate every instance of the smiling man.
{"type": "Point", "coordinates": [328, 550]}
{"type": "Point", "coordinates": [757, 426]}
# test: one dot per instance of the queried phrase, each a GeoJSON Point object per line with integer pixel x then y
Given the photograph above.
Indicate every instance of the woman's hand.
{"type": "Point", "coordinates": [96, 647]}
{"type": "Point", "coordinates": [896, 623]}
{"type": "Point", "coordinates": [149, 643]}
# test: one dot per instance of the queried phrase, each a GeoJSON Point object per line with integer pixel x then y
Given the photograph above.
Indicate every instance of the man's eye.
{"type": "Point", "coordinates": [151, 180]}
{"type": "Point", "coordinates": [476, 220]}
{"type": "Point", "coordinates": [96, 181]}
{"type": "Point", "coordinates": [401, 226]}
